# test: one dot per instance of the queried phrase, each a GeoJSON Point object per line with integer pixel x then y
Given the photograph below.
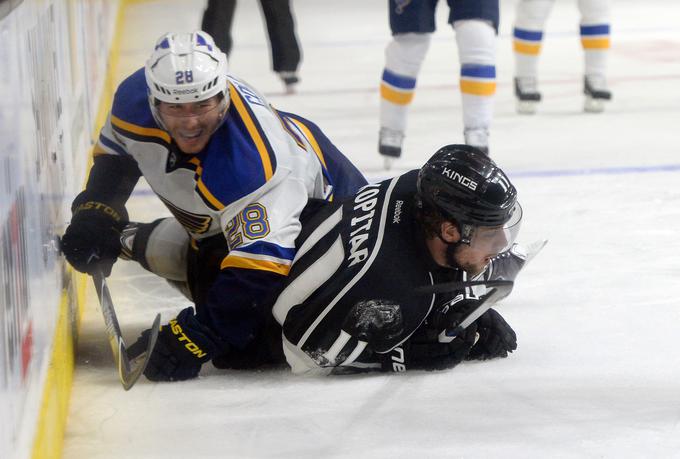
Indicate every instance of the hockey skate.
{"type": "Point", "coordinates": [478, 138]}
{"type": "Point", "coordinates": [595, 89]}
{"type": "Point", "coordinates": [389, 145]}
{"type": "Point", "coordinates": [127, 239]}
{"type": "Point", "coordinates": [290, 81]}
{"type": "Point", "coordinates": [528, 97]}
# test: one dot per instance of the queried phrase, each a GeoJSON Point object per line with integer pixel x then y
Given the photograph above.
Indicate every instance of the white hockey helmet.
{"type": "Point", "coordinates": [185, 67]}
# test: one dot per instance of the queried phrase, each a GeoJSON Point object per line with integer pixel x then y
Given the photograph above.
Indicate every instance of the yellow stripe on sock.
{"type": "Point", "coordinates": [478, 88]}
{"type": "Point", "coordinates": [527, 48]}
{"type": "Point", "coordinates": [595, 43]}
{"type": "Point", "coordinates": [396, 97]}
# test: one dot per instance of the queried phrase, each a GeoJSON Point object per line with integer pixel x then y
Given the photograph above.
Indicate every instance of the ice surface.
{"type": "Point", "coordinates": [597, 313]}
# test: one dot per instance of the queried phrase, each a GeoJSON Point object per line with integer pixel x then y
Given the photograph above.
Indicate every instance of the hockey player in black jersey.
{"type": "Point", "coordinates": [352, 299]}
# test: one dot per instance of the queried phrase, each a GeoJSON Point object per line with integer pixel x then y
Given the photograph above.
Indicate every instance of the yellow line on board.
{"type": "Point", "coordinates": [48, 442]}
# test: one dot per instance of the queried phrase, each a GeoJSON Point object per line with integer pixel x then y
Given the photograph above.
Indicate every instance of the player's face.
{"type": "Point", "coordinates": [486, 243]}
{"type": "Point", "coordinates": [192, 124]}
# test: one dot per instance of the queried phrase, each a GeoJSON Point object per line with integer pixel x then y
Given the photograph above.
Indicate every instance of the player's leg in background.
{"type": "Point", "coordinates": [476, 25]}
{"type": "Point", "coordinates": [284, 44]}
{"type": "Point", "coordinates": [217, 19]}
{"type": "Point", "coordinates": [412, 25]}
{"type": "Point", "coordinates": [160, 247]}
{"type": "Point", "coordinates": [527, 32]}
{"type": "Point", "coordinates": [595, 31]}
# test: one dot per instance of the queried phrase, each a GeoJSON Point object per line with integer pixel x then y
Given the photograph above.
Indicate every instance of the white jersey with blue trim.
{"type": "Point", "coordinates": [251, 181]}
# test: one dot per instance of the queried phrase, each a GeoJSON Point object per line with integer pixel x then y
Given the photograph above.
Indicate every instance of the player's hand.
{"type": "Point", "coordinates": [428, 354]}
{"type": "Point", "coordinates": [182, 347]}
{"type": "Point", "coordinates": [496, 337]}
{"type": "Point", "coordinates": [92, 240]}
{"type": "Point", "coordinates": [431, 348]}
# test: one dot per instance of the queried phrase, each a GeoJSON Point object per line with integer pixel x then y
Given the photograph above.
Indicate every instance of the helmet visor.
{"type": "Point", "coordinates": [493, 240]}
{"type": "Point", "coordinates": [190, 109]}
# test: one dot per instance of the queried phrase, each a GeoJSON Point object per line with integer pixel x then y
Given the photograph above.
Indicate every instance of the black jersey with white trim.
{"type": "Point", "coordinates": [368, 249]}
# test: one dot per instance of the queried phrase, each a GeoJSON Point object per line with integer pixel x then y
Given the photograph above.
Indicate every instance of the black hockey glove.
{"type": "Point", "coordinates": [425, 353]}
{"type": "Point", "coordinates": [496, 337]}
{"type": "Point", "coordinates": [92, 240]}
{"type": "Point", "coordinates": [183, 345]}
{"type": "Point", "coordinates": [431, 348]}
{"type": "Point", "coordinates": [378, 322]}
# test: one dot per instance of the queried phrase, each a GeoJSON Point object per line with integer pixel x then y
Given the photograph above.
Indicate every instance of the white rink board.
{"type": "Point", "coordinates": [49, 88]}
{"type": "Point", "coordinates": [597, 369]}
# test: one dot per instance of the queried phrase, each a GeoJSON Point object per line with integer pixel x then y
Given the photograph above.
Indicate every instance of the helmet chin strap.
{"type": "Point", "coordinates": [224, 107]}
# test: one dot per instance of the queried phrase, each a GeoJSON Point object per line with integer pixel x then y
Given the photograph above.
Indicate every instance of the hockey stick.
{"type": "Point", "coordinates": [486, 301]}
{"type": "Point", "coordinates": [445, 287]}
{"type": "Point", "coordinates": [128, 375]}
{"type": "Point", "coordinates": [500, 289]}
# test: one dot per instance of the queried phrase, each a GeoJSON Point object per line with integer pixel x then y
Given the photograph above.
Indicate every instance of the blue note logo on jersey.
{"type": "Point", "coordinates": [400, 5]}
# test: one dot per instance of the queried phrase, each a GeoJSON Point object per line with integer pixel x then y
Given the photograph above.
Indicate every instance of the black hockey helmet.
{"type": "Point", "coordinates": [464, 184]}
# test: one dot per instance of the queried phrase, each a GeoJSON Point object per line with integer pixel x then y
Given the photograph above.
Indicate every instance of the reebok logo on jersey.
{"type": "Point", "coordinates": [397, 211]}
{"type": "Point", "coordinates": [458, 177]}
{"type": "Point", "coordinates": [364, 202]}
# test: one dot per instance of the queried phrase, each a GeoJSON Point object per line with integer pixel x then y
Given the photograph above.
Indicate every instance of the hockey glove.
{"type": "Point", "coordinates": [496, 337]}
{"type": "Point", "coordinates": [378, 322]}
{"type": "Point", "coordinates": [92, 240]}
{"type": "Point", "coordinates": [431, 348]}
{"type": "Point", "coordinates": [183, 345]}
{"type": "Point", "coordinates": [425, 353]}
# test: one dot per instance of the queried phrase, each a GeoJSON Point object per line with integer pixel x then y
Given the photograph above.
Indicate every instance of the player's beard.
{"type": "Point", "coordinates": [453, 259]}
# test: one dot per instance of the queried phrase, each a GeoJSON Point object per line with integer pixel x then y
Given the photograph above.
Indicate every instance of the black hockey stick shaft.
{"type": "Point", "coordinates": [127, 374]}
{"type": "Point", "coordinates": [486, 302]}
{"type": "Point", "coordinates": [446, 287]}
{"type": "Point", "coordinates": [498, 289]}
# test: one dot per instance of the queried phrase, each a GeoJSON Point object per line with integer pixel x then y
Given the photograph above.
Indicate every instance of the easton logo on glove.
{"type": "Point", "coordinates": [98, 206]}
{"type": "Point", "coordinates": [189, 345]}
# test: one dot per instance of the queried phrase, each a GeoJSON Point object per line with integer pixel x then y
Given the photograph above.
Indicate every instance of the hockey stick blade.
{"type": "Point", "coordinates": [128, 375]}
{"type": "Point", "coordinates": [143, 359]}
{"type": "Point", "coordinates": [446, 287]}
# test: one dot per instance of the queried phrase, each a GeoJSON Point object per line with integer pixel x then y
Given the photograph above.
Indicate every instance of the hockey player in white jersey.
{"type": "Point", "coordinates": [352, 300]}
{"type": "Point", "coordinates": [234, 172]}
{"type": "Point", "coordinates": [412, 24]}
{"type": "Point", "coordinates": [528, 39]}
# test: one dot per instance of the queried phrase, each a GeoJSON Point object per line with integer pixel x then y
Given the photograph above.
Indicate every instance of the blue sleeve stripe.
{"type": "Point", "coordinates": [108, 143]}
{"type": "Point", "coordinates": [478, 71]}
{"type": "Point", "coordinates": [269, 249]}
{"type": "Point", "coordinates": [600, 29]}
{"type": "Point", "coordinates": [398, 81]}
{"type": "Point", "coordinates": [529, 35]}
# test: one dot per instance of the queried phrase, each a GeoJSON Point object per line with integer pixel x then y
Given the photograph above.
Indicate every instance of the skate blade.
{"type": "Point", "coordinates": [526, 107]}
{"type": "Point", "coordinates": [593, 105]}
{"type": "Point", "coordinates": [389, 161]}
